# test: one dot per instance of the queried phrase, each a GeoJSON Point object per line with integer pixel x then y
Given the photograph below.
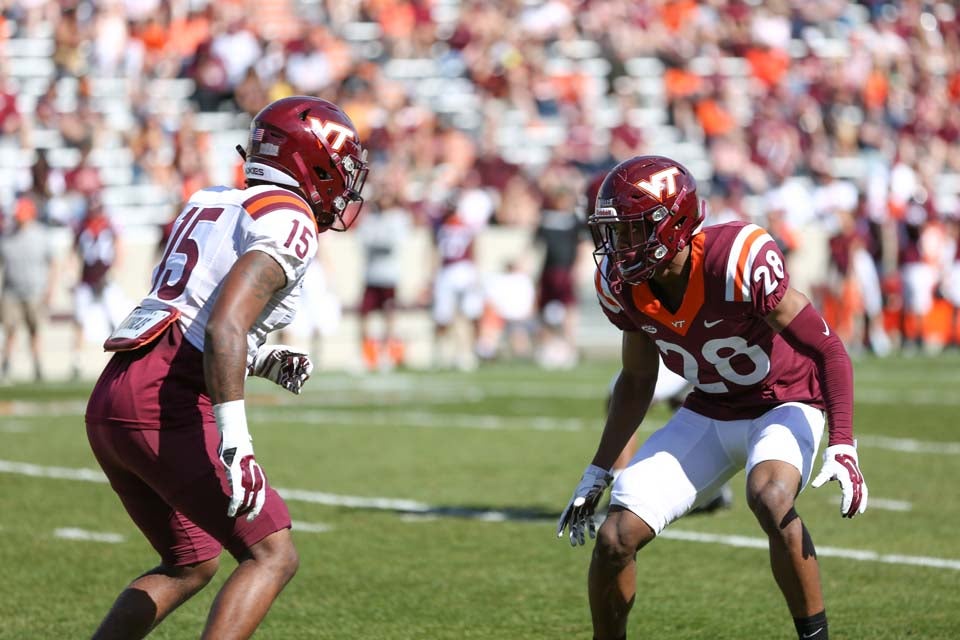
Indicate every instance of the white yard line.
{"type": "Point", "coordinates": [415, 510]}
{"type": "Point", "coordinates": [311, 527]}
{"type": "Point", "coordinates": [861, 555]}
{"type": "Point", "coordinates": [488, 422]}
{"type": "Point", "coordinates": [15, 426]}
{"type": "Point", "coordinates": [888, 505]}
{"type": "Point", "coordinates": [73, 533]}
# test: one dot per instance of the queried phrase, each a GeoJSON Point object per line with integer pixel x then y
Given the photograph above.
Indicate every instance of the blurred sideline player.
{"type": "Point", "coordinates": [716, 305]}
{"type": "Point", "coordinates": [167, 421]}
{"type": "Point", "coordinates": [508, 313]}
{"type": "Point", "coordinates": [98, 303]}
{"type": "Point", "coordinates": [381, 233]}
{"type": "Point", "coordinates": [562, 233]}
{"type": "Point", "coordinates": [457, 289]}
{"type": "Point", "coordinates": [29, 276]}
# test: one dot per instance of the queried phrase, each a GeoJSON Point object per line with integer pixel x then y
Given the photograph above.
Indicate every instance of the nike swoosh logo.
{"type": "Point", "coordinates": [826, 329]}
{"type": "Point", "coordinates": [709, 324]}
{"type": "Point", "coordinates": [810, 635]}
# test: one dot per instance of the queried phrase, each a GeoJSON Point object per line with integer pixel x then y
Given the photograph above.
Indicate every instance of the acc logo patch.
{"type": "Point", "coordinates": [649, 328]}
{"type": "Point", "coordinates": [665, 179]}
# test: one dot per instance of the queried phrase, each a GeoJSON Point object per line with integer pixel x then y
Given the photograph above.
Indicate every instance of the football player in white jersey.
{"type": "Point", "coordinates": [166, 419]}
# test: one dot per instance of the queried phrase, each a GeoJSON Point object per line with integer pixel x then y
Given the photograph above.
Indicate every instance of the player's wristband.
{"type": "Point", "coordinates": [231, 416]}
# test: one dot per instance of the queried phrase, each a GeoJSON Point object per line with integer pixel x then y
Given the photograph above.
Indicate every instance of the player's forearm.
{"type": "Point", "coordinates": [629, 403]}
{"type": "Point", "coordinates": [808, 333]}
{"type": "Point", "coordinates": [224, 362]}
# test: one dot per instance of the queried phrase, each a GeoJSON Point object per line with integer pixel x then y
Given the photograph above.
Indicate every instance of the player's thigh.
{"type": "Point", "coordinates": [187, 473]}
{"type": "Point", "coordinates": [471, 302]}
{"type": "Point", "coordinates": [11, 313]}
{"type": "Point", "coordinates": [83, 302]}
{"type": "Point", "coordinates": [678, 467]}
{"type": "Point", "coordinates": [789, 433]}
{"type": "Point", "coordinates": [444, 298]}
{"type": "Point", "coordinates": [33, 315]}
{"type": "Point", "coordinates": [918, 283]}
{"type": "Point", "coordinates": [951, 285]}
{"type": "Point", "coordinates": [123, 455]}
{"type": "Point", "coordinates": [868, 281]}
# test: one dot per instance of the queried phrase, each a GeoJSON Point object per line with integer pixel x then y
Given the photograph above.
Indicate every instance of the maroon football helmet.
{"type": "Point", "coordinates": [646, 212]}
{"type": "Point", "coordinates": [311, 146]}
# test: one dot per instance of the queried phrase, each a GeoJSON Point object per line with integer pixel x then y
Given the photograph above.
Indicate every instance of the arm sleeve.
{"type": "Point", "coordinates": [809, 334]}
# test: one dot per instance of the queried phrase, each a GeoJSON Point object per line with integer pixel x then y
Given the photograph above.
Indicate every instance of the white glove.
{"type": "Point", "coordinates": [579, 511]}
{"type": "Point", "coordinates": [248, 484]}
{"type": "Point", "coordinates": [840, 463]}
{"type": "Point", "coordinates": [286, 366]}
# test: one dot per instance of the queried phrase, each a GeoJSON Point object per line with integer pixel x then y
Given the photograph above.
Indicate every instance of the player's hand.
{"type": "Point", "coordinates": [579, 512]}
{"type": "Point", "coordinates": [840, 463]}
{"type": "Point", "coordinates": [288, 367]}
{"type": "Point", "coordinates": [248, 484]}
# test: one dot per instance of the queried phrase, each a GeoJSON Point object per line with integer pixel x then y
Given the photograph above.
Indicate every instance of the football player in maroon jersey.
{"type": "Point", "coordinates": [715, 302]}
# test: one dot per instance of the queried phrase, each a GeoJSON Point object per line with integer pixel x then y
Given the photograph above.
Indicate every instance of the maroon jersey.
{"type": "Point", "coordinates": [96, 246]}
{"type": "Point", "coordinates": [455, 240]}
{"type": "Point", "coordinates": [718, 339]}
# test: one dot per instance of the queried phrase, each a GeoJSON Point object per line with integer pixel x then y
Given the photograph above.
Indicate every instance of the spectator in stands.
{"type": "Point", "coordinates": [26, 258]}
{"type": "Point", "coordinates": [950, 275]}
{"type": "Point", "coordinates": [209, 74]}
{"type": "Point", "coordinates": [11, 123]}
{"type": "Point", "coordinates": [755, 94]}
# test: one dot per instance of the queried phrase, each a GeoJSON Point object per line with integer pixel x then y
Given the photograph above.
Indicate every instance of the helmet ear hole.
{"type": "Point", "coordinates": [322, 173]}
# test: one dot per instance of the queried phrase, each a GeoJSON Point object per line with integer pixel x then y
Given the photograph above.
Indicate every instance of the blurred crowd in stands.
{"type": "Point", "coordinates": [832, 123]}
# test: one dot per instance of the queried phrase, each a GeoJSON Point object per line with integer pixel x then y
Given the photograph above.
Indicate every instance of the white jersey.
{"type": "Point", "coordinates": [382, 235]}
{"type": "Point", "coordinates": [215, 228]}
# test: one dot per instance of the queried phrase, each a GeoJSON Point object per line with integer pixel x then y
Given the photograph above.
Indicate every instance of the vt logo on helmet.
{"type": "Point", "coordinates": [659, 181]}
{"type": "Point", "coordinates": [310, 146]}
{"type": "Point", "coordinates": [646, 212]}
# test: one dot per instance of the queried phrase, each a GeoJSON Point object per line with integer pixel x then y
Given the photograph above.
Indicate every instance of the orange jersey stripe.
{"type": "Point", "coordinates": [268, 201]}
{"type": "Point", "coordinates": [680, 321]}
{"type": "Point", "coordinates": [741, 263]}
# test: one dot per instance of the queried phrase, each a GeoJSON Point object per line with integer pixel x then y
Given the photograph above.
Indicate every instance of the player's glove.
{"type": "Point", "coordinates": [579, 512]}
{"type": "Point", "coordinates": [248, 484]}
{"type": "Point", "coordinates": [840, 463]}
{"type": "Point", "coordinates": [286, 366]}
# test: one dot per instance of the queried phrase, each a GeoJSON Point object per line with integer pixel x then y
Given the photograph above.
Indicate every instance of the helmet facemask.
{"type": "Point", "coordinates": [630, 244]}
{"type": "Point", "coordinates": [334, 211]}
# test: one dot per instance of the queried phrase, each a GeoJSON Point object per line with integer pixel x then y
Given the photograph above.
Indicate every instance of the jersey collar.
{"type": "Point", "coordinates": [648, 304]}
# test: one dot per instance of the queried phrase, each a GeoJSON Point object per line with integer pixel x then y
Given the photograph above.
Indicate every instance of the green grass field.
{"type": "Point", "coordinates": [472, 471]}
